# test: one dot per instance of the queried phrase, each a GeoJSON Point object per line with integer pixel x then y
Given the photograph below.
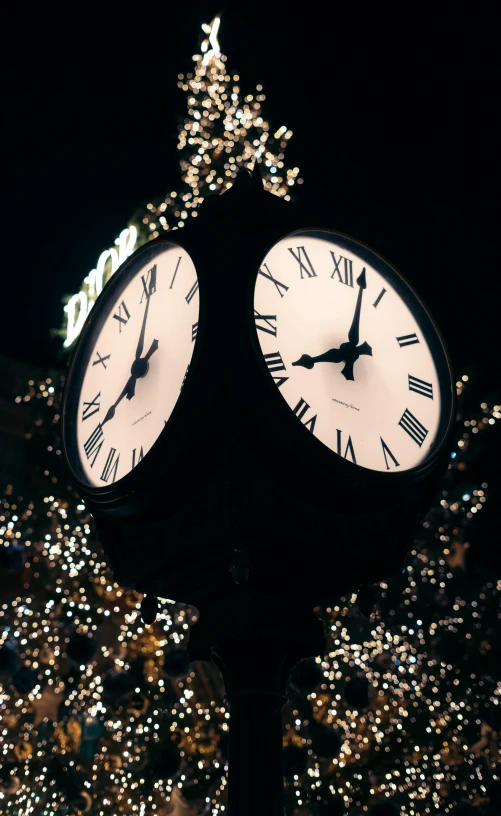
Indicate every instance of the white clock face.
{"type": "Point", "coordinates": [134, 362]}
{"type": "Point", "coordinates": [350, 355]}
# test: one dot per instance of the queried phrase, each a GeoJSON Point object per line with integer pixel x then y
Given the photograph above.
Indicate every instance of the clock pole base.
{"type": "Point", "coordinates": [255, 666]}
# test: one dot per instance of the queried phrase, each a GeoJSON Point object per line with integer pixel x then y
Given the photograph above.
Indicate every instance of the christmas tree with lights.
{"type": "Point", "coordinates": [224, 132]}
{"type": "Point", "coordinates": [402, 715]}
{"type": "Point", "coordinates": [102, 714]}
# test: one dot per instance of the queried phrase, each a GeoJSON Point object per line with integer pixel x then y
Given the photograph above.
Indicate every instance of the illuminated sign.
{"type": "Point", "coordinates": [79, 305]}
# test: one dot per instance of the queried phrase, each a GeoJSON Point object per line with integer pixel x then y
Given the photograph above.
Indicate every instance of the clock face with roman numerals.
{"type": "Point", "coordinates": [351, 350]}
{"type": "Point", "coordinates": [132, 361]}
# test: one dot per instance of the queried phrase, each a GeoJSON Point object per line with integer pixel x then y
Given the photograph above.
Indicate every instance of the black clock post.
{"type": "Point", "coordinates": [255, 655]}
{"type": "Point", "coordinates": [236, 508]}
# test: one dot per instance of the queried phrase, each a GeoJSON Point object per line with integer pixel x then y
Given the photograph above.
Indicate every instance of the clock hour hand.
{"type": "Point", "coordinates": [332, 356]}
{"type": "Point", "coordinates": [347, 353]}
{"type": "Point", "coordinates": [111, 410]}
{"type": "Point", "coordinates": [139, 369]}
{"type": "Point", "coordinates": [151, 350]}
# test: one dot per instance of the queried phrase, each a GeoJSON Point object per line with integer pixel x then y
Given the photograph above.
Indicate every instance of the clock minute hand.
{"type": "Point", "coordinates": [354, 333]}
{"type": "Point", "coordinates": [140, 343]}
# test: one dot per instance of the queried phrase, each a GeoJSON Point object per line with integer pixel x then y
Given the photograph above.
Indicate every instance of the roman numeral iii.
{"type": "Point", "coordinates": [420, 386]}
{"type": "Point", "coordinates": [304, 262]}
{"type": "Point", "coordinates": [413, 427]}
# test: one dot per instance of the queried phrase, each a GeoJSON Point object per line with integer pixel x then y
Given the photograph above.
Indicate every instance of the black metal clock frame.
{"type": "Point", "coordinates": [235, 482]}
{"type": "Point", "coordinates": [231, 441]}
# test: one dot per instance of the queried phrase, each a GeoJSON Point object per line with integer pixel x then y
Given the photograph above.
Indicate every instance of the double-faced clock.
{"type": "Point", "coordinates": [255, 385]}
{"type": "Point", "coordinates": [352, 350]}
{"type": "Point", "coordinates": [254, 400]}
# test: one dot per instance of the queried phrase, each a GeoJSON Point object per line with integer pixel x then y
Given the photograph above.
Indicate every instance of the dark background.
{"type": "Point", "coordinates": [395, 127]}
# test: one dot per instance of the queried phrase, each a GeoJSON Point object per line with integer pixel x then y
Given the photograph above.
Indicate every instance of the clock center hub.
{"type": "Point", "coordinates": [139, 368]}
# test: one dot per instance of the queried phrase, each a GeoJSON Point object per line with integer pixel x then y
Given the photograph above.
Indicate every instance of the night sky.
{"type": "Point", "coordinates": [394, 122]}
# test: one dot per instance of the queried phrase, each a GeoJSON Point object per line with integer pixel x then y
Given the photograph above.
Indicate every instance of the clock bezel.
{"type": "Point", "coordinates": [113, 494]}
{"type": "Point", "coordinates": [358, 474]}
